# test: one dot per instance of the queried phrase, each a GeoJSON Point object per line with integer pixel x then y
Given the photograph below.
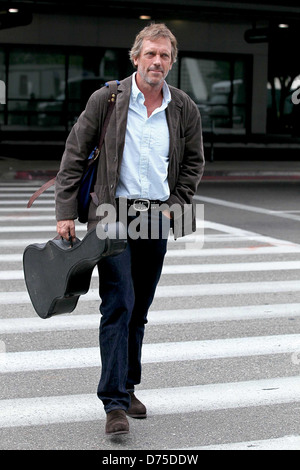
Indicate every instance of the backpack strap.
{"type": "Point", "coordinates": [113, 85]}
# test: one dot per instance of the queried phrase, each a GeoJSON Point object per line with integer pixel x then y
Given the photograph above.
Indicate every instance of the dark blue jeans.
{"type": "Point", "coordinates": [127, 286]}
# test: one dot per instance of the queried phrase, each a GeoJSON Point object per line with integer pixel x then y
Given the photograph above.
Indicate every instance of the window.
{"type": "Point", "coordinates": [35, 83]}
{"type": "Point", "coordinates": [283, 105]}
{"type": "Point", "coordinates": [83, 79]}
{"type": "Point", "coordinates": [88, 71]}
{"type": "Point", "coordinates": [218, 87]}
{"type": "Point", "coordinates": [49, 88]}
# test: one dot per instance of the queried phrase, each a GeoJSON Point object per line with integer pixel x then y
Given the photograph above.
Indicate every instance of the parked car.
{"type": "Point", "coordinates": [226, 105]}
{"type": "Point", "coordinates": [55, 112]}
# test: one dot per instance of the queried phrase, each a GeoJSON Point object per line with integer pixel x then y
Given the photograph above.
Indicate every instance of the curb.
{"type": "Point", "coordinates": [250, 176]}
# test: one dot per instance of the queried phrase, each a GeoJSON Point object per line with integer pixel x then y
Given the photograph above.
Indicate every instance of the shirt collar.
{"type": "Point", "coordinates": [135, 91]}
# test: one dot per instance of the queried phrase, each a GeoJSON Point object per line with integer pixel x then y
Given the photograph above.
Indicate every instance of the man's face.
{"type": "Point", "coordinates": [154, 61]}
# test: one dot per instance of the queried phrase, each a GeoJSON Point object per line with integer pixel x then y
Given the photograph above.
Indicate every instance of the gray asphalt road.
{"type": "Point", "coordinates": [222, 346]}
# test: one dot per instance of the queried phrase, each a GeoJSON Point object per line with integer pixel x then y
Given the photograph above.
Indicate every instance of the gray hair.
{"type": "Point", "coordinates": [153, 31]}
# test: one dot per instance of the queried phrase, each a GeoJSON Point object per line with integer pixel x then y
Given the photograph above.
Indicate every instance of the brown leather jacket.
{"type": "Point", "coordinates": [186, 156]}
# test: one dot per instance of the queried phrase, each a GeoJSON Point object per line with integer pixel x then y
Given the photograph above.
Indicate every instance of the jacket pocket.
{"type": "Point", "coordinates": [101, 194]}
{"type": "Point", "coordinates": [98, 196]}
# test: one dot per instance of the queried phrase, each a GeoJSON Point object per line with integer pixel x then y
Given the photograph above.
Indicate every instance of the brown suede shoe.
{"type": "Point", "coordinates": [116, 423]}
{"type": "Point", "coordinates": [136, 409]}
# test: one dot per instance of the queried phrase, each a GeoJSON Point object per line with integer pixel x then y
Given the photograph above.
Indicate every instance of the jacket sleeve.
{"type": "Point", "coordinates": [191, 160]}
{"type": "Point", "coordinates": [79, 144]}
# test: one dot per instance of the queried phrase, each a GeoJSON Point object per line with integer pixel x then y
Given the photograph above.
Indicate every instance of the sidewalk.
{"type": "Point", "coordinates": [28, 170]}
{"type": "Point", "coordinates": [263, 171]}
{"type": "Point", "coordinates": [217, 171]}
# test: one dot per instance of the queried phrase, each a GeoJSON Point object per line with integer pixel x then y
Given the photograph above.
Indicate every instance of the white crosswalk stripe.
{"type": "Point", "coordinates": [192, 290]}
{"type": "Point", "coordinates": [196, 268]}
{"type": "Point", "coordinates": [158, 317]}
{"type": "Point", "coordinates": [191, 276]}
{"type": "Point", "coordinates": [46, 410]}
{"type": "Point", "coordinates": [280, 443]}
{"type": "Point", "coordinates": [154, 353]}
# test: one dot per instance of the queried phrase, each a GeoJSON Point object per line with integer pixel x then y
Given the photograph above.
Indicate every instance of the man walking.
{"type": "Point", "coordinates": [152, 158]}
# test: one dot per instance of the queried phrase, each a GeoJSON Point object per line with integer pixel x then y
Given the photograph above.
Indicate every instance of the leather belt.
{"type": "Point", "coordinates": [143, 205]}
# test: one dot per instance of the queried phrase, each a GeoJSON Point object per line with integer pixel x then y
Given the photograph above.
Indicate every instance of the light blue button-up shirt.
{"type": "Point", "coordinates": [144, 168]}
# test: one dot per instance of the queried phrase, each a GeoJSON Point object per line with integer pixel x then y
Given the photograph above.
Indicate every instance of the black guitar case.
{"type": "Point", "coordinates": [58, 272]}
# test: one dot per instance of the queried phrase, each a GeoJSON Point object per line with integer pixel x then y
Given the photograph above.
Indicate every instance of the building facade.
{"type": "Point", "coordinates": [51, 66]}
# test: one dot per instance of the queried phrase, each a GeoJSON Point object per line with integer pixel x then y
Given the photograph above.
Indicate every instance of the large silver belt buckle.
{"type": "Point", "coordinates": [141, 205]}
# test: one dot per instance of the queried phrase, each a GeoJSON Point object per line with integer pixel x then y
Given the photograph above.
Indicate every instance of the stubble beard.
{"type": "Point", "coordinates": [153, 82]}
